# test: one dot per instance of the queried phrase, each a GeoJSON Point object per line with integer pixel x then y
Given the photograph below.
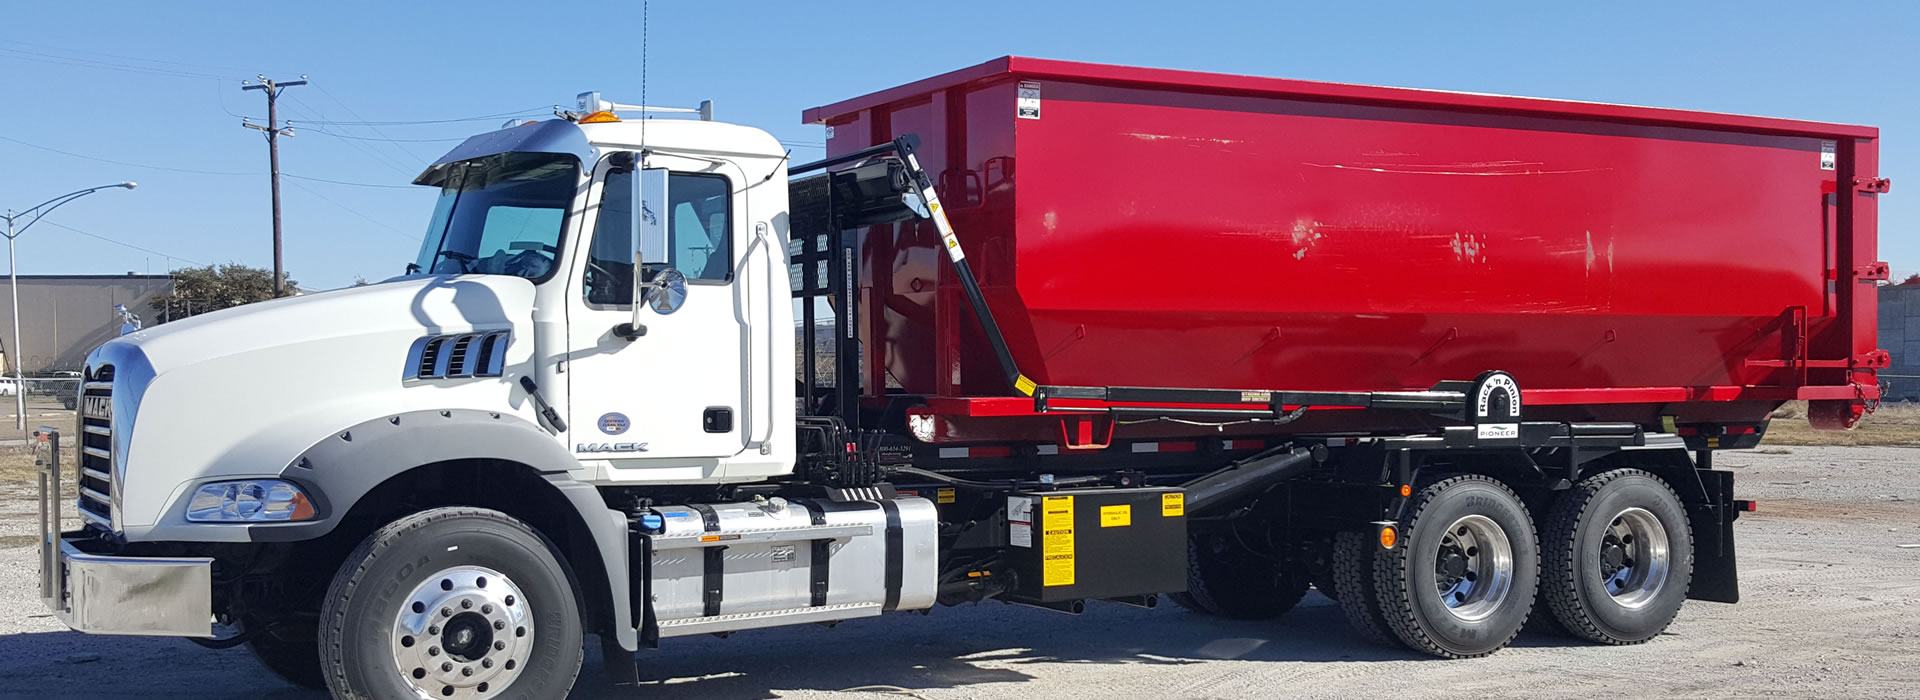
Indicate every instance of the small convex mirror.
{"type": "Point", "coordinates": [667, 291]}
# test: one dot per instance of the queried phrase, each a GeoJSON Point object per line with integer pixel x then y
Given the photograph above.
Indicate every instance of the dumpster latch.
{"type": "Point", "coordinates": [1878, 359]}
{"type": "Point", "coordinates": [1872, 184]}
{"type": "Point", "coordinates": [1871, 271]}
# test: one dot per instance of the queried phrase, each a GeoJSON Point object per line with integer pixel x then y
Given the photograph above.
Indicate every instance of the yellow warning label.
{"type": "Point", "coordinates": [1116, 516]}
{"type": "Point", "coordinates": [1173, 505]}
{"type": "Point", "coordinates": [1056, 541]}
{"type": "Point", "coordinates": [1024, 385]}
{"type": "Point", "coordinates": [943, 496]}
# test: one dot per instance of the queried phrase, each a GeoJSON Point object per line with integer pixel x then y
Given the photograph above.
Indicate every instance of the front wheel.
{"type": "Point", "coordinates": [1619, 557]}
{"type": "Point", "coordinates": [1462, 581]}
{"type": "Point", "coordinates": [451, 603]}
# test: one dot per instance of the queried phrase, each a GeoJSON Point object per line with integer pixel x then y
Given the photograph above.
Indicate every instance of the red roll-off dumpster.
{"type": "Point", "coordinates": [1144, 227]}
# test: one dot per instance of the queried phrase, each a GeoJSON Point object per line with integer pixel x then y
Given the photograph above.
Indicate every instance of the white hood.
{"type": "Point", "coordinates": [240, 392]}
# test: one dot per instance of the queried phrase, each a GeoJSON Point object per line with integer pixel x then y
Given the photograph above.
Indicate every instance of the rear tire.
{"type": "Point", "coordinates": [1619, 557]}
{"type": "Point", "coordinates": [452, 602]}
{"type": "Point", "coordinates": [1225, 579]}
{"type": "Point", "coordinates": [1462, 580]}
{"type": "Point", "coordinates": [1352, 576]}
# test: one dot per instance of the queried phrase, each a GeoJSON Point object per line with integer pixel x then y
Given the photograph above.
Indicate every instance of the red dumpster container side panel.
{"type": "Point", "coordinates": [1165, 228]}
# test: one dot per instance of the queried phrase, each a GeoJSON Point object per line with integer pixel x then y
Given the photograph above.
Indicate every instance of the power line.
{"type": "Point", "coordinates": [130, 164]}
{"type": "Point", "coordinates": [364, 149]}
{"type": "Point", "coordinates": [343, 182]}
{"type": "Point", "coordinates": [121, 243]}
{"type": "Point", "coordinates": [375, 129]}
{"type": "Point", "coordinates": [122, 162]}
{"type": "Point", "coordinates": [104, 65]}
{"type": "Point", "coordinates": [233, 71]}
{"type": "Point", "coordinates": [355, 212]}
{"type": "Point", "coordinates": [318, 130]}
{"type": "Point", "coordinates": [483, 117]}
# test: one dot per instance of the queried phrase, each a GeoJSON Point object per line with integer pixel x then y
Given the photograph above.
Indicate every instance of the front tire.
{"type": "Point", "coordinates": [1619, 557]}
{"type": "Point", "coordinates": [1226, 579]}
{"type": "Point", "coordinates": [1462, 581]}
{"type": "Point", "coordinates": [452, 603]}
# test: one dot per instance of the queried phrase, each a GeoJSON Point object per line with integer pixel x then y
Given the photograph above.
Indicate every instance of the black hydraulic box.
{"type": "Point", "coordinates": [1096, 543]}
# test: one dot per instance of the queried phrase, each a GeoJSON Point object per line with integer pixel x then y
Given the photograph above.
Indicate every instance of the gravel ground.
{"type": "Point", "coordinates": [1830, 610]}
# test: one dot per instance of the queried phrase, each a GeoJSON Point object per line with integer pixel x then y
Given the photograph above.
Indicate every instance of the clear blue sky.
{"type": "Point", "coordinates": [158, 84]}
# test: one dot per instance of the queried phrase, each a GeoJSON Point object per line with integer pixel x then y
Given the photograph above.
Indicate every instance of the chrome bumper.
{"type": "Point", "coordinates": [102, 594]}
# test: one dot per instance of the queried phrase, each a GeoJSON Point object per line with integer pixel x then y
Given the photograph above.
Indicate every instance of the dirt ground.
{"type": "Point", "coordinates": [1831, 609]}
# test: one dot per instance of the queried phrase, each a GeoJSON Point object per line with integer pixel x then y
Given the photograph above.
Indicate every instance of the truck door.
{"type": "Point", "coordinates": [669, 401]}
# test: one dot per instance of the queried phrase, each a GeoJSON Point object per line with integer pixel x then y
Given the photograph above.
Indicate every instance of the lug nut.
{"type": "Point", "coordinates": [499, 646]}
{"type": "Point", "coordinates": [433, 651]}
{"type": "Point", "coordinates": [486, 663]}
{"type": "Point", "coordinates": [466, 605]}
{"type": "Point", "coordinates": [446, 612]}
{"type": "Point", "coordinates": [466, 670]}
{"type": "Point", "coordinates": [448, 666]}
{"type": "Point", "coordinates": [433, 629]}
{"type": "Point", "coordinates": [499, 624]}
{"type": "Point", "coordinates": [486, 610]}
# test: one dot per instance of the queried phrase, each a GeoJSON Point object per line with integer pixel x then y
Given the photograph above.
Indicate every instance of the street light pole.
{"type": "Point", "coordinates": [13, 277]}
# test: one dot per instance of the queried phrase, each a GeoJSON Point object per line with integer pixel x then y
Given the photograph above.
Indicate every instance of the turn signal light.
{"type": "Point", "coordinates": [1406, 490]}
{"type": "Point", "coordinates": [1389, 536]}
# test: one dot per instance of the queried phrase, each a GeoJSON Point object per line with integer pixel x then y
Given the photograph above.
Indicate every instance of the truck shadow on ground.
{"type": "Point", "coordinates": [991, 643]}
{"type": "Point", "coordinates": [951, 648]}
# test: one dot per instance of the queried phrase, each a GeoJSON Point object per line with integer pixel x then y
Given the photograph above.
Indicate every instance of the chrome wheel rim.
{"type": "Point", "coordinates": [1634, 558]}
{"type": "Point", "coordinates": [1473, 567]}
{"type": "Point", "coordinates": [465, 632]}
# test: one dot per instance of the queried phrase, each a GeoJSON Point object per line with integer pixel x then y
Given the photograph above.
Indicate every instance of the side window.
{"type": "Point", "coordinates": [699, 223]}
{"type": "Point", "coordinates": [699, 219]}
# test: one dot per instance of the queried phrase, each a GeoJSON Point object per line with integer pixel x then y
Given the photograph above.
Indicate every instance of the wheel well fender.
{"type": "Point", "coordinates": [379, 470]}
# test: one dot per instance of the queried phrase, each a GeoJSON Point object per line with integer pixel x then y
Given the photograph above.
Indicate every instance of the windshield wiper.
{"type": "Point", "coordinates": [464, 259]}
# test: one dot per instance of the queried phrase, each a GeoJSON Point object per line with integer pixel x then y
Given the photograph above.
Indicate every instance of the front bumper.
{"type": "Point", "coordinates": [106, 594]}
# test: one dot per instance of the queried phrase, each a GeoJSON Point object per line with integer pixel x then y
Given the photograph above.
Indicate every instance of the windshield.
{"type": "Point", "coordinates": [500, 215]}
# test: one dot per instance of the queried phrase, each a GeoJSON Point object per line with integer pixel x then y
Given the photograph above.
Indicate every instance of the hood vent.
{"type": "Point", "coordinates": [458, 356]}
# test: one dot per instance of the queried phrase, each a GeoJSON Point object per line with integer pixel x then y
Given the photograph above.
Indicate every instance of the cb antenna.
{"type": "Point", "coordinates": [644, 117]}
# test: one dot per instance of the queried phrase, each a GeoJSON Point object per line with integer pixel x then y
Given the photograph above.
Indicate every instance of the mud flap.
{"type": "Point", "coordinates": [1716, 576]}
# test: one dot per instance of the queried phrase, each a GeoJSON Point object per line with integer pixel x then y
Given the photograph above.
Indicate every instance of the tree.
{"type": "Point", "coordinates": [197, 290]}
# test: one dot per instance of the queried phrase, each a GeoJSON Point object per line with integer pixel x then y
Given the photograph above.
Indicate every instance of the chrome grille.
{"type": "Point", "coordinates": [96, 453]}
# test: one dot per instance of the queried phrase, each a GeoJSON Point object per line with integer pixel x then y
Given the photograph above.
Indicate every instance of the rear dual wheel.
{"type": "Point", "coordinates": [1619, 557]}
{"type": "Point", "coordinates": [1461, 581]}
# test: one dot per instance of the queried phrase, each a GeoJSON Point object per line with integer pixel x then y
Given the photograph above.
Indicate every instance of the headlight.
{"type": "Point", "coordinates": [257, 501]}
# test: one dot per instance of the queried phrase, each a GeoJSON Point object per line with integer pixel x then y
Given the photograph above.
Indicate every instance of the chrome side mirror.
{"type": "Point", "coordinates": [649, 228]}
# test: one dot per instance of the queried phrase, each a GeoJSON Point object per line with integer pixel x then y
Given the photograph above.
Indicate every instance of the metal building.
{"type": "Point", "coordinates": [63, 317]}
{"type": "Point", "coordinates": [1900, 335]}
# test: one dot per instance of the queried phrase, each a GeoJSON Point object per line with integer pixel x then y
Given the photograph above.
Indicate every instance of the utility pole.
{"type": "Point", "coordinates": [273, 132]}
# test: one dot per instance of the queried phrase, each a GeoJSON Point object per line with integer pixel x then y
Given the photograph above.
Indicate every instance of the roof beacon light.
{"type": "Point", "coordinates": [589, 103]}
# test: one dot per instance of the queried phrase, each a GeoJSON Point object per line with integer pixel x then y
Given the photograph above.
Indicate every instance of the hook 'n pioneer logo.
{"type": "Point", "coordinates": [1496, 406]}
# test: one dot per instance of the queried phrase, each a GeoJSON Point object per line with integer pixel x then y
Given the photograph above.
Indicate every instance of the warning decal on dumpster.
{"type": "Point", "coordinates": [1027, 106]}
{"type": "Point", "coordinates": [1056, 541]}
{"type": "Point", "coordinates": [1829, 155]}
